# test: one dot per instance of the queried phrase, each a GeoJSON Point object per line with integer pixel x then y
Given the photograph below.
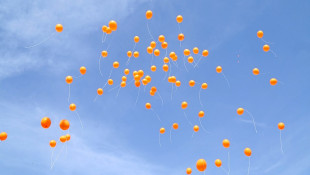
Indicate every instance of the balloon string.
{"type": "Point", "coordinates": [96, 98]}
{"type": "Point", "coordinates": [184, 63]}
{"type": "Point", "coordinates": [159, 140]}
{"type": "Point", "coordinates": [266, 41]}
{"type": "Point", "coordinates": [28, 47]}
{"type": "Point", "coordinates": [179, 27]}
{"type": "Point", "coordinates": [162, 101]}
{"type": "Point", "coordinates": [224, 170]}
{"type": "Point", "coordinates": [100, 67]}
{"type": "Point", "coordinates": [226, 80]}
{"type": "Point", "coordinates": [105, 37]}
{"type": "Point", "coordinates": [198, 61]}
{"type": "Point", "coordinates": [171, 90]}
{"type": "Point", "coordinates": [53, 149]}
{"type": "Point", "coordinates": [228, 163]}
{"type": "Point", "coordinates": [137, 96]}
{"type": "Point", "coordinates": [69, 94]}
{"type": "Point", "coordinates": [152, 59]}
{"type": "Point", "coordinates": [170, 68]}
{"type": "Point", "coordinates": [102, 38]}
{"type": "Point", "coordinates": [193, 134]}
{"type": "Point", "coordinates": [252, 120]}
{"type": "Point", "coordinates": [170, 134]}
{"type": "Point", "coordinates": [187, 118]}
{"type": "Point", "coordinates": [57, 156]}
{"type": "Point", "coordinates": [118, 92]}
{"type": "Point", "coordinates": [148, 29]}
{"type": "Point", "coordinates": [79, 119]}
{"type": "Point", "coordinates": [199, 97]}
{"type": "Point", "coordinates": [249, 165]}
{"type": "Point", "coordinates": [156, 114]}
{"type": "Point", "coordinates": [202, 126]}
{"type": "Point", "coordinates": [281, 141]}
{"type": "Point", "coordinates": [274, 54]}
{"type": "Point", "coordinates": [108, 78]}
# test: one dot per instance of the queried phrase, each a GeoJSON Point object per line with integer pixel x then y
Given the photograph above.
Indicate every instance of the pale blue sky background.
{"type": "Point", "coordinates": [120, 137]}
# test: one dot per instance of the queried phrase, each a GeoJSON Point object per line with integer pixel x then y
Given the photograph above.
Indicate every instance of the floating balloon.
{"type": "Point", "coordinates": [178, 83]}
{"type": "Point", "coordinates": [148, 14]}
{"type": "Point", "coordinates": [63, 139]}
{"type": "Point", "coordinates": [52, 143]}
{"type": "Point", "coordinates": [201, 114]}
{"type": "Point", "coordinates": [248, 152]}
{"type": "Point", "coordinates": [148, 105]}
{"type": "Point", "coordinates": [181, 37]}
{"type": "Point", "coordinates": [153, 44]}
{"type": "Point", "coordinates": [175, 126]}
{"type": "Point", "coordinates": [195, 50]}
{"type": "Point", "coordinates": [184, 105]}
{"type": "Point", "coordinates": [266, 48]}
{"type": "Point", "coordinates": [99, 91]}
{"type": "Point", "coordinates": [166, 60]}
{"type": "Point", "coordinates": [3, 136]}
{"type": "Point", "coordinates": [255, 71]}
{"type": "Point", "coordinates": [172, 55]}
{"type": "Point", "coordinates": [110, 81]}
{"type": "Point", "coordinates": [59, 27]}
{"type": "Point", "coordinates": [124, 78]}
{"type": "Point", "coordinates": [115, 64]}
{"type": "Point", "coordinates": [191, 83]}
{"type": "Point", "coordinates": [156, 52]}
{"type": "Point", "coordinates": [104, 53]}
{"type": "Point", "coordinates": [218, 163]}
{"type": "Point", "coordinates": [226, 143]}
{"type": "Point", "coordinates": [83, 70]}
{"type": "Point", "coordinates": [281, 126]}
{"type": "Point", "coordinates": [136, 39]}
{"type": "Point", "coordinates": [104, 28]}
{"type": "Point", "coordinates": [165, 67]}
{"type": "Point", "coordinates": [72, 107]}
{"type": "Point", "coordinates": [162, 130]}
{"type": "Point", "coordinates": [161, 38]}
{"type": "Point", "coordinates": [186, 52]}
{"type": "Point", "coordinates": [136, 54]}
{"type": "Point", "coordinates": [129, 54]}
{"type": "Point", "coordinates": [64, 124]}
{"type": "Point", "coordinates": [113, 25]}
{"type": "Point", "coordinates": [188, 171]}
{"type": "Point", "coordinates": [179, 19]}
{"type": "Point", "coordinates": [46, 122]}
{"type": "Point", "coordinates": [149, 50]}
{"type": "Point", "coordinates": [204, 86]}
{"type": "Point", "coordinates": [109, 30]}
{"type": "Point", "coordinates": [218, 69]}
{"type": "Point", "coordinates": [201, 165]}
{"type": "Point", "coordinates": [205, 53]}
{"type": "Point", "coordinates": [126, 71]}
{"type": "Point", "coordinates": [164, 45]}
{"type": "Point", "coordinates": [69, 79]}
{"type": "Point", "coordinates": [68, 137]}
{"type": "Point", "coordinates": [123, 84]}
{"type": "Point", "coordinates": [190, 59]}
{"type": "Point", "coordinates": [196, 128]}
{"type": "Point", "coordinates": [240, 111]}
{"type": "Point", "coordinates": [273, 81]}
{"type": "Point", "coordinates": [260, 34]}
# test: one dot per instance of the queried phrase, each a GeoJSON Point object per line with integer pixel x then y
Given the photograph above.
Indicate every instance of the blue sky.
{"type": "Point", "coordinates": [121, 137]}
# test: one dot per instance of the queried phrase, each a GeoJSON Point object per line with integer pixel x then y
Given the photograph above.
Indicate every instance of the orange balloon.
{"type": "Point", "coordinates": [281, 126]}
{"type": "Point", "coordinates": [172, 55]}
{"type": "Point", "coordinates": [164, 45]}
{"type": "Point", "coordinates": [191, 83]}
{"type": "Point", "coordinates": [156, 52]}
{"type": "Point", "coordinates": [273, 81]}
{"type": "Point", "coordinates": [52, 143]}
{"type": "Point", "coordinates": [248, 152]}
{"type": "Point", "coordinates": [218, 69]}
{"type": "Point", "coordinates": [179, 18]}
{"type": "Point", "coordinates": [190, 59]}
{"type": "Point", "coordinates": [184, 105]}
{"type": "Point", "coordinates": [104, 28]}
{"type": "Point", "coordinates": [240, 111]}
{"type": "Point", "coordinates": [137, 77]}
{"type": "Point", "coordinates": [109, 30]}
{"type": "Point", "coordinates": [148, 14]}
{"type": "Point", "coordinates": [64, 124]}
{"type": "Point", "coordinates": [59, 27]}
{"type": "Point", "coordinates": [175, 126]}
{"type": "Point", "coordinates": [188, 171]}
{"type": "Point", "coordinates": [126, 71]}
{"type": "Point", "coordinates": [148, 78]}
{"type": "Point", "coordinates": [68, 137]}
{"type": "Point", "coordinates": [153, 88]}
{"type": "Point", "coordinates": [266, 48]}
{"type": "Point", "coordinates": [83, 70]}
{"type": "Point", "coordinates": [186, 52]}
{"type": "Point", "coordinates": [255, 71]}
{"type": "Point", "coordinates": [204, 86]}
{"type": "Point", "coordinates": [124, 78]}
{"type": "Point", "coordinates": [153, 68]}
{"type": "Point", "coordinates": [110, 81]}
{"type": "Point", "coordinates": [152, 93]}
{"type": "Point", "coordinates": [104, 53]}
{"type": "Point", "coordinates": [99, 91]}
{"type": "Point", "coordinates": [134, 73]}
{"type": "Point", "coordinates": [201, 165]}
{"type": "Point", "coordinates": [153, 44]}
{"type": "Point", "coordinates": [218, 163]}
{"type": "Point", "coordinates": [201, 114]}
{"type": "Point", "coordinates": [113, 25]}
{"type": "Point", "coordinates": [72, 107]}
{"type": "Point", "coordinates": [166, 60]}
{"type": "Point", "coordinates": [173, 79]}
{"type": "Point", "coordinates": [260, 34]}
{"type": "Point", "coordinates": [3, 136]}
{"type": "Point", "coordinates": [165, 67]}
{"type": "Point", "coordinates": [178, 83]}
{"type": "Point", "coordinates": [115, 64]}
{"type": "Point", "coordinates": [148, 105]}
{"type": "Point", "coordinates": [136, 54]}
{"type": "Point", "coordinates": [46, 122]}
{"type": "Point", "coordinates": [181, 37]}
{"type": "Point", "coordinates": [195, 50]}
{"type": "Point", "coordinates": [140, 73]}
{"type": "Point", "coordinates": [136, 39]}
{"type": "Point", "coordinates": [162, 130]}
{"type": "Point", "coordinates": [129, 54]}
{"type": "Point", "coordinates": [63, 139]}
{"type": "Point", "coordinates": [205, 53]}
{"type": "Point", "coordinates": [196, 128]}
{"type": "Point", "coordinates": [144, 81]}
{"type": "Point", "coordinates": [226, 143]}
{"type": "Point", "coordinates": [161, 38]}
{"type": "Point", "coordinates": [123, 84]}
{"type": "Point", "coordinates": [69, 79]}
{"type": "Point", "coordinates": [149, 50]}
{"type": "Point", "coordinates": [137, 83]}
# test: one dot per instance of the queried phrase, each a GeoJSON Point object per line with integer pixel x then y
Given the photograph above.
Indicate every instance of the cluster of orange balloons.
{"type": "Point", "coordinates": [110, 28]}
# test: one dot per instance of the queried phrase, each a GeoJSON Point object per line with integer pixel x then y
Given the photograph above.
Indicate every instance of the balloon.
{"type": "Point", "coordinates": [126, 71]}
{"type": "Point", "coordinates": [205, 53]}
{"type": "Point", "coordinates": [179, 18]}
{"type": "Point", "coordinates": [99, 91]}
{"type": "Point", "coordinates": [161, 38]}
{"type": "Point", "coordinates": [109, 30]}
{"type": "Point", "coordinates": [196, 128]}
{"type": "Point", "coordinates": [201, 114]}
{"type": "Point", "coordinates": [135, 73]}
{"type": "Point", "coordinates": [72, 107]}
{"type": "Point", "coordinates": [266, 48]}
{"type": "Point", "coordinates": [165, 67]}
{"type": "Point", "coordinates": [201, 165]}
{"type": "Point", "coordinates": [178, 83]}
{"type": "Point", "coordinates": [172, 55]}
{"type": "Point", "coordinates": [83, 70]}
{"type": "Point", "coordinates": [156, 52]}
{"type": "Point", "coordinates": [115, 64]}
{"type": "Point", "coordinates": [153, 44]}
{"type": "Point", "coordinates": [255, 71]}
{"type": "Point", "coordinates": [148, 78]}
{"type": "Point", "coordinates": [190, 59]}
{"type": "Point", "coordinates": [104, 28]}
{"type": "Point", "coordinates": [129, 54]}
{"type": "Point", "coordinates": [136, 39]}
{"type": "Point", "coordinates": [53, 143]}
{"type": "Point", "coordinates": [46, 122]}
{"type": "Point", "coordinates": [63, 139]}
{"type": "Point", "coordinates": [260, 34]}
{"type": "Point", "coordinates": [191, 83]}
{"type": "Point", "coordinates": [149, 50]}
{"type": "Point", "coordinates": [173, 79]}
{"type": "Point", "coordinates": [204, 86]}
{"type": "Point", "coordinates": [104, 53]}
{"type": "Point", "coordinates": [240, 111]}
{"type": "Point", "coordinates": [137, 83]}
{"type": "Point", "coordinates": [188, 171]}
{"type": "Point", "coordinates": [124, 78]}
{"type": "Point", "coordinates": [195, 50]}
{"type": "Point", "coordinates": [3, 136]}
{"type": "Point", "coordinates": [64, 124]}
{"type": "Point", "coordinates": [247, 152]}
{"type": "Point", "coordinates": [110, 81]}
{"type": "Point", "coordinates": [164, 45]}
{"type": "Point", "coordinates": [175, 126]}
{"type": "Point", "coordinates": [69, 79]}
{"type": "Point", "coordinates": [123, 84]}
{"type": "Point", "coordinates": [184, 105]}
{"type": "Point", "coordinates": [68, 137]}
{"type": "Point", "coordinates": [162, 130]}
{"type": "Point", "coordinates": [153, 68]}
{"type": "Point", "coordinates": [166, 60]}
{"type": "Point", "coordinates": [149, 14]}
{"type": "Point", "coordinates": [140, 73]}
{"type": "Point", "coordinates": [137, 77]}
{"type": "Point", "coordinates": [281, 126]}
{"type": "Point", "coordinates": [136, 54]}
{"type": "Point", "coordinates": [113, 25]}
{"type": "Point", "coordinates": [148, 105]}
{"type": "Point", "coordinates": [218, 163]}
{"type": "Point", "coordinates": [226, 143]}
{"type": "Point", "coordinates": [144, 81]}
{"type": "Point", "coordinates": [59, 28]}
{"type": "Point", "coordinates": [273, 81]}
{"type": "Point", "coordinates": [186, 52]}
{"type": "Point", "coordinates": [218, 69]}
{"type": "Point", "coordinates": [181, 37]}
